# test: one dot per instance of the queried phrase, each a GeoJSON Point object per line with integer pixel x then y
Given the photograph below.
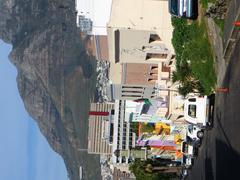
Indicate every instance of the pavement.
{"type": "Point", "coordinates": [216, 41]}
{"type": "Point", "coordinates": [231, 33]}
{"type": "Point", "coordinates": [223, 46]}
{"type": "Point", "coordinates": [219, 155]}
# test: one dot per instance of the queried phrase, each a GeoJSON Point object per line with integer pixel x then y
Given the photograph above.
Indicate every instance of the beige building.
{"type": "Point", "coordinates": [141, 52]}
{"type": "Point", "coordinates": [140, 31]}
{"type": "Point", "coordinates": [141, 74]}
{"type": "Point", "coordinates": [138, 80]}
{"type": "Point", "coordinates": [139, 38]}
{"type": "Point", "coordinates": [100, 129]}
{"type": "Point", "coordinates": [131, 81]}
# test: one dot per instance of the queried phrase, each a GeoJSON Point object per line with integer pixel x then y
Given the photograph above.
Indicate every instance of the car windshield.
{"type": "Point", "coordinates": [174, 7]}
{"type": "Point", "coordinates": [184, 147]}
{"type": "Point", "coordinates": [184, 159]}
{"type": "Point", "coordinates": [190, 128]}
{"type": "Point", "coordinates": [192, 99]}
{"type": "Point", "coordinates": [192, 110]}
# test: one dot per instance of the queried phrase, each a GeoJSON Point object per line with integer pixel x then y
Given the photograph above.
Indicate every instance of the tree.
{"type": "Point", "coordinates": [188, 83]}
{"type": "Point", "coordinates": [147, 128]}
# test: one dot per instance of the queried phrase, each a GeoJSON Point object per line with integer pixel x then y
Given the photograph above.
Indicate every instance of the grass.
{"type": "Point", "coordinates": [191, 45]}
{"type": "Point", "coordinates": [205, 2]}
{"type": "Point", "coordinates": [220, 24]}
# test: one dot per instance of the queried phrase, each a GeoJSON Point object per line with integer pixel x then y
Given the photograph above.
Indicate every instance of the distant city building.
{"type": "Point", "coordinates": [85, 24]}
{"type": "Point", "coordinates": [121, 175]}
{"type": "Point", "coordinates": [100, 124]}
{"type": "Point", "coordinates": [124, 138]}
{"type": "Point", "coordinates": [97, 11]}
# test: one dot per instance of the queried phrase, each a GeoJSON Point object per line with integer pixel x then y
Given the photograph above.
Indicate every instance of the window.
{"type": "Point", "coordinates": [151, 80]}
{"type": "Point", "coordinates": [192, 109]}
{"type": "Point", "coordinates": [154, 68]}
{"type": "Point", "coordinates": [184, 147]}
{"type": "Point", "coordinates": [155, 55]}
{"type": "Point", "coordinates": [134, 87]}
{"type": "Point", "coordinates": [123, 159]}
{"type": "Point", "coordinates": [192, 99]}
{"type": "Point", "coordinates": [140, 91]}
{"type": "Point", "coordinates": [174, 7]}
{"type": "Point", "coordinates": [131, 95]}
{"type": "Point", "coordinates": [154, 37]}
{"type": "Point", "coordinates": [190, 128]}
{"type": "Point", "coordinates": [173, 56]}
{"type": "Point", "coordinates": [112, 111]}
{"type": "Point", "coordinates": [153, 74]}
{"type": "Point", "coordinates": [117, 45]}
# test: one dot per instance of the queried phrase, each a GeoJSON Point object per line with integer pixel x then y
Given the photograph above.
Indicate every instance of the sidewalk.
{"type": "Point", "coordinates": [223, 46]}
{"type": "Point", "coordinates": [216, 41]}
{"type": "Point", "coordinates": [231, 33]}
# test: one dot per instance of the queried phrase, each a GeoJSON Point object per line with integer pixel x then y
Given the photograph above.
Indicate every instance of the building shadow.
{"type": "Point", "coordinates": [227, 162]}
{"type": "Point", "coordinates": [208, 169]}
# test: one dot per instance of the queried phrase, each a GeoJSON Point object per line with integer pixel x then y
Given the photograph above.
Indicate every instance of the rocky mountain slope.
{"type": "Point", "coordinates": [56, 78]}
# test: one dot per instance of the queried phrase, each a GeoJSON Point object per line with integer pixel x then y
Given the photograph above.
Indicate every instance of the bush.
{"type": "Point", "coordinates": [147, 128]}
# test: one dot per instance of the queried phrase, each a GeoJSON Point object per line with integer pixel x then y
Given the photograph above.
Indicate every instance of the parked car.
{"type": "Point", "coordinates": [187, 161]}
{"type": "Point", "coordinates": [198, 110]}
{"type": "Point", "coordinates": [183, 173]}
{"type": "Point", "coordinates": [183, 8]}
{"type": "Point", "coordinates": [188, 149]}
{"type": "Point", "coordinates": [194, 132]}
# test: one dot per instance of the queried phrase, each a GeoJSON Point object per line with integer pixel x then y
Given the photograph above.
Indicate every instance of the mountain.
{"type": "Point", "coordinates": [56, 78]}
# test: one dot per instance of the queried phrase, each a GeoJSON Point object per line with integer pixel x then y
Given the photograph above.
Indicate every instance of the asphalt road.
{"type": "Point", "coordinates": [219, 156]}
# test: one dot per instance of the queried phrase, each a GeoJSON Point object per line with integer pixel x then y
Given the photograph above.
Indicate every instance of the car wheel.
{"type": "Point", "coordinates": [212, 98]}
{"type": "Point", "coordinates": [209, 125]}
{"type": "Point", "coordinates": [200, 134]}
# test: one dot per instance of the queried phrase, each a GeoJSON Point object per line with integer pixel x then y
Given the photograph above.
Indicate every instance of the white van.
{"type": "Point", "coordinates": [198, 110]}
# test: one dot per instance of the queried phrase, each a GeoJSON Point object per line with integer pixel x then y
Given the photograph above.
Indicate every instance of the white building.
{"type": "Point", "coordinates": [123, 138]}
{"type": "Point", "coordinates": [140, 31]}
{"type": "Point", "coordinates": [97, 11]}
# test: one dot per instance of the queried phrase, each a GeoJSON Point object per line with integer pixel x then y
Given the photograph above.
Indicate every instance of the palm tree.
{"type": "Point", "coordinates": [188, 83]}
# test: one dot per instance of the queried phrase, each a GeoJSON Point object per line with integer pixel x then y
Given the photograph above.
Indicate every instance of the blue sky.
{"type": "Point", "coordinates": [24, 152]}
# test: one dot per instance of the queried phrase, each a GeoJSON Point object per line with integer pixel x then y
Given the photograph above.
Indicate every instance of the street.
{"type": "Point", "coordinates": [219, 155]}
